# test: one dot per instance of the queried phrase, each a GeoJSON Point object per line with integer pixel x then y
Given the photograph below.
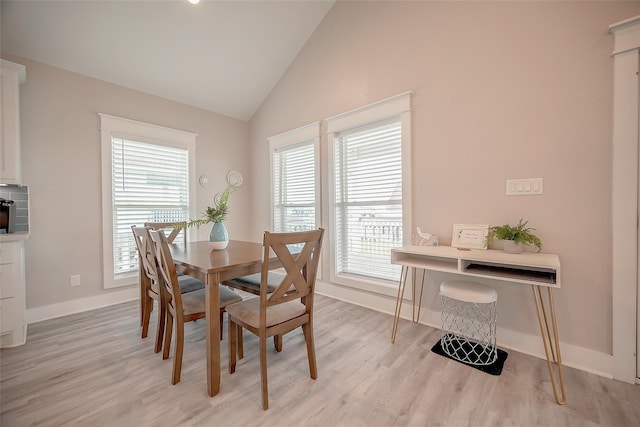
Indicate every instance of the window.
{"type": "Point", "coordinates": [146, 176]}
{"type": "Point", "coordinates": [295, 179]}
{"type": "Point", "coordinates": [369, 200]}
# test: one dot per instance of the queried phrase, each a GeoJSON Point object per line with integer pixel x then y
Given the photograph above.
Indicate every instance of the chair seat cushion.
{"type": "Point", "coordinates": [249, 312]}
{"type": "Point", "coordinates": [194, 302]}
{"type": "Point", "coordinates": [252, 282]}
{"type": "Point", "coordinates": [189, 284]}
{"type": "Point", "coordinates": [228, 297]}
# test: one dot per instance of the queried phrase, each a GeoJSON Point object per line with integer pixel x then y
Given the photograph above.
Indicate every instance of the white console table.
{"type": "Point", "coordinates": [540, 271]}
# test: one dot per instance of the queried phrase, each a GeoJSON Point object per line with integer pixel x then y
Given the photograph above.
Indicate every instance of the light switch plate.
{"type": "Point", "coordinates": [524, 187]}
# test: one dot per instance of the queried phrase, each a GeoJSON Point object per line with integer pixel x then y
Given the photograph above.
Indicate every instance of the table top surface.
{"type": "Point", "coordinates": [202, 256]}
{"type": "Point", "coordinates": [524, 258]}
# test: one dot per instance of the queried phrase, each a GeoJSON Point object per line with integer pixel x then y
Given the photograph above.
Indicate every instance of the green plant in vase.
{"type": "Point", "coordinates": [519, 234]}
{"type": "Point", "coordinates": [216, 214]}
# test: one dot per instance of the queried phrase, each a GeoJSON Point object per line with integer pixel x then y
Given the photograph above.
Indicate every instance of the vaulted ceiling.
{"type": "Point", "coordinates": [222, 56]}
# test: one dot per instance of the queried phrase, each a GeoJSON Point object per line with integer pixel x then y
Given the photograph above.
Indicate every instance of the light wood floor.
{"type": "Point", "coordinates": [92, 369]}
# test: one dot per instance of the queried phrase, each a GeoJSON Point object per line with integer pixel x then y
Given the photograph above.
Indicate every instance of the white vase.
{"type": "Point", "coordinates": [512, 247]}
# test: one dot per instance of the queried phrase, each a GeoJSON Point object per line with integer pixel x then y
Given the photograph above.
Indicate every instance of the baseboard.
{"type": "Point", "coordinates": [572, 356]}
{"type": "Point", "coordinates": [65, 308]}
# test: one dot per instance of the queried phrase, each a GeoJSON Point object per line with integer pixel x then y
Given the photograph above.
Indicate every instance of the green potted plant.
{"type": "Point", "coordinates": [514, 236]}
{"type": "Point", "coordinates": [216, 214]}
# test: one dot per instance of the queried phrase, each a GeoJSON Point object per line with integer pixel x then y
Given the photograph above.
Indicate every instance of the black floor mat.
{"type": "Point", "coordinates": [494, 369]}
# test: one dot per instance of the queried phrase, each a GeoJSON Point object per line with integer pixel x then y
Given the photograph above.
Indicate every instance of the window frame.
{"type": "Point", "coordinates": [117, 127]}
{"type": "Point", "coordinates": [398, 106]}
{"type": "Point", "coordinates": [310, 132]}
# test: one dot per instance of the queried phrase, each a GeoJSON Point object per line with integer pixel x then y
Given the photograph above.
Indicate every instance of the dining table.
{"type": "Point", "coordinates": [213, 266]}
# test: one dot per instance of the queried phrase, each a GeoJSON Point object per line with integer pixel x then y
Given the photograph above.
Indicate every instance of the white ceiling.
{"type": "Point", "coordinates": [222, 56]}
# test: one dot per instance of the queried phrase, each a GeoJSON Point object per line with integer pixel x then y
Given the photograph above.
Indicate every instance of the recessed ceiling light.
{"type": "Point", "coordinates": [194, 1]}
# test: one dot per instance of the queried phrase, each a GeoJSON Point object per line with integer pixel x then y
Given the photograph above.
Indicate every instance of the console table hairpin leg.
{"type": "Point", "coordinates": [416, 311]}
{"type": "Point", "coordinates": [396, 314]}
{"type": "Point", "coordinates": [550, 340]}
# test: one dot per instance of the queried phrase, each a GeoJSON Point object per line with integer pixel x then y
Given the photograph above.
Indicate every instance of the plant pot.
{"type": "Point", "coordinates": [512, 247]}
{"type": "Point", "coordinates": [218, 236]}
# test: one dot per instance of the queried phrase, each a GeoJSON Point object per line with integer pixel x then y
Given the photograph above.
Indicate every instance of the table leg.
{"type": "Point", "coordinates": [212, 310]}
{"type": "Point", "coordinates": [550, 340]}
{"type": "Point", "coordinates": [416, 315]}
{"type": "Point", "coordinates": [396, 315]}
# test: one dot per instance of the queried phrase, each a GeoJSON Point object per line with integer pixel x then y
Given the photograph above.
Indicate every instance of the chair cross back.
{"type": "Point", "coordinates": [300, 269]}
{"type": "Point", "coordinates": [175, 228]}
{"type": "Point", "coordinates": [167, 269]}
{"type": "Point", "coordinates": [146, 255]}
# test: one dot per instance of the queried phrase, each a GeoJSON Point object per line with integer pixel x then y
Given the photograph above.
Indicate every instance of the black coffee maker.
{"type": "Point", "coordinates": [7, 216]}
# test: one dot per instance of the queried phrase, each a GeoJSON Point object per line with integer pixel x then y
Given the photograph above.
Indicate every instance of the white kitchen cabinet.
{"type": "Point", "coordinates": [11, 76]}
{"type": "Point", "coordinates": [13, 325]}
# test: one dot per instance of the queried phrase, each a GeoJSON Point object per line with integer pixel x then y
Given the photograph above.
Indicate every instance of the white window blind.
{"type": "Point", "coordinates": [368, 199]}
{"type": "Point", "coordinates": [150, 183]}
{"type": "Point", "coordinates": [294, 187]}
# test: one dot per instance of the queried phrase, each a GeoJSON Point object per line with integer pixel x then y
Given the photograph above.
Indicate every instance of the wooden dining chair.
{"type": "Point", "coordinates": [149, 284]}
{"type": "Point", "coordinates": [181, 308]}
{"type": "Point", "coordinates": [187, 283]}
{"type": "Point", "coordinates": [149, 288]}
{"type": "Point", "coordinates": [289, 306]}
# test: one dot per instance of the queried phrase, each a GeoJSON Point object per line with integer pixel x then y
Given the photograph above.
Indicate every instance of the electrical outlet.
{"type": "Point", "coordinates": [75, 280]}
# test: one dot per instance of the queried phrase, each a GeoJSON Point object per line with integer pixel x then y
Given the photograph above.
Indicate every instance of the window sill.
{"type": "Point", "coordinates": [121, 280]}
{"type": "Point", "coordinates": [382, 287]}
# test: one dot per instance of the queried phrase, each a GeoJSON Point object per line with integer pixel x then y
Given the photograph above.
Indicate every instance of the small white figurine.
{"type": "Point", "coordinates": [424, 239]}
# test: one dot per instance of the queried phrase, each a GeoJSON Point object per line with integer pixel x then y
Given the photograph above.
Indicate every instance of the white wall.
{"type": "Point", "coordinates": [502, 90]}
{"type": "Point", "coordinates": [61, 165]}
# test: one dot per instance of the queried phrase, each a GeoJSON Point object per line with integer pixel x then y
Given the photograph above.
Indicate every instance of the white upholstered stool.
{"type": "Point", "coordinates": [469, 322]}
